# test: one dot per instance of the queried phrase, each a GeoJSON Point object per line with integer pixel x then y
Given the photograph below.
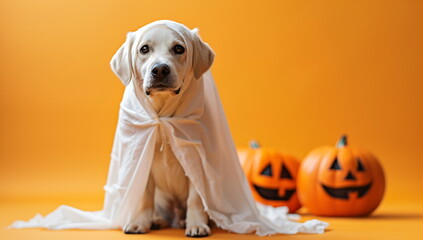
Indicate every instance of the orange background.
{"type": "Point", "coordinates": [293, 74]}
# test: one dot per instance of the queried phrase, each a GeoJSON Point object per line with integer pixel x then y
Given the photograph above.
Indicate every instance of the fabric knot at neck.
{"type": "Point", "coordinates": [157, 119]}
{"type": "Point", "coordinates": [158, 122]}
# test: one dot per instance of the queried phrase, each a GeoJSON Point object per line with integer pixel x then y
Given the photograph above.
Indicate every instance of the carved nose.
{"type": "Point", "coordinates": [160, 71]}
{"type": "Point", "coordinates": [350, 176]}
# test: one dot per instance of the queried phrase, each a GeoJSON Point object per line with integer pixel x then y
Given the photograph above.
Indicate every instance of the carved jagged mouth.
{"type": "Point", "coordinates": [272, 194]}
{"type": "Point", "coordinates": [343, 193]}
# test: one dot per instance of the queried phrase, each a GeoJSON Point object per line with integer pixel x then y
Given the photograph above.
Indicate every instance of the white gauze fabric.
{"type": "Point", "coordinates": [194, 127]}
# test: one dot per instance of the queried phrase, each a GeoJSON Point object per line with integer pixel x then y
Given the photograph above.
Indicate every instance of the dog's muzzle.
{"type": "Point", "coordinates": [160, 74]}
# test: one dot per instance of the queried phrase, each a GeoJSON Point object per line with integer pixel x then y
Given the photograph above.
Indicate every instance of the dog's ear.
{"type": "Point", "coordinates": [121, 62]}
{"type": "Point", "coordinates": [203, 55]}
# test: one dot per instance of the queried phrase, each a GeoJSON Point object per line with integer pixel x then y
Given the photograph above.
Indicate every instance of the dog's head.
{"type": "Point", "coordinates": [160, 56]}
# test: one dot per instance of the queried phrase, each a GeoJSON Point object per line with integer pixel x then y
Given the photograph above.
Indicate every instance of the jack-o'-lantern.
{"type": "Point", "coordinates": [341, 181]}
{"type": "Point", "coordinates": [272, 176]}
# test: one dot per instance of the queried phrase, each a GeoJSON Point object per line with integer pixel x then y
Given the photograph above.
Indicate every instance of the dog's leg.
{"type": "Point", "coordinates": [196, 222]}
{"type": "Point", "coordinates": [142, 221]}
{"type": "Point", "coordinates": [162, 210]}
{"type": "Point", "coordinates": [180, 217]}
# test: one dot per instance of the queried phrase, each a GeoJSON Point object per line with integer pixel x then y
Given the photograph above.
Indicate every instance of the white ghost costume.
{"type": "Point", "coordinates": [194, 127]}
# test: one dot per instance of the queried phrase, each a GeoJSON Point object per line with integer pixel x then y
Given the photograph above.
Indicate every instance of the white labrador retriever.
{"type": "Point", "coordinates": [160, 67]}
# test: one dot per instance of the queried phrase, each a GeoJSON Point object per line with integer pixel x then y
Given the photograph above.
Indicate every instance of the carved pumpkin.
{"type": "Point", "coordinates": [272, 176]}
{"type": "Point", "coordinates": [341, 181]}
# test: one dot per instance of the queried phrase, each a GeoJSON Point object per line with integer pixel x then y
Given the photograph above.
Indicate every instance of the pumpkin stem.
{"type": "Point", "coordinates": [254, 144]}
{"type": "Point", "coordinates": [342, 142]}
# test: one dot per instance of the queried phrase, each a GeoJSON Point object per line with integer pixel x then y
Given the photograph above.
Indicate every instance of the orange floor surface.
{"type": "Point", "coordinates": [391, 221]}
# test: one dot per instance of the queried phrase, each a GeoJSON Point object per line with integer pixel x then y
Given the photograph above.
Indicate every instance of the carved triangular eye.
{"type": "Point", "coordinates": [360, 166]}
{"type": "Point", "coordinates": [267, 171]}
{"type": "Point", "coordinates": [285, 173]}
{"type": "Point", "coordinates": [335, 165]}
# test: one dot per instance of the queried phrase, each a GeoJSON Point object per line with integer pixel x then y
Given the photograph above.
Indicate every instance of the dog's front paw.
{"type": "Point", "coordinates": [133, 228]}
{"type": "Point", "coordinates": [201, 230]}
{"type": "Point", "coordinates": [139, 226]}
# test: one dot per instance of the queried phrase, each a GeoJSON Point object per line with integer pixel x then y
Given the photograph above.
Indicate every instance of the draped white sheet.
{"type": "Point", "coordinates": [196, 130]}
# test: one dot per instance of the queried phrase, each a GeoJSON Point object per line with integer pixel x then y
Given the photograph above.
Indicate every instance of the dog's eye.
{"type": "Point", "coordinates": [178, 49]}
{"type": "Point", "coordinates": [144, 49]}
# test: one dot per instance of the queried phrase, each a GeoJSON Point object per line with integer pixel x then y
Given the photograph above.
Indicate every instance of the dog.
{"type": "Point", "coordinates": [160, 68]}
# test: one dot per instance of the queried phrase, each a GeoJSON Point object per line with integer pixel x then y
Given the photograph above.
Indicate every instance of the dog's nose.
{"type": "Point", "coordinates": [160, 71]}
